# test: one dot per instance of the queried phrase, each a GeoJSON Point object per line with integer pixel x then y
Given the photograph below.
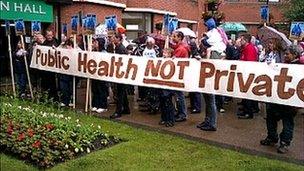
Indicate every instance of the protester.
{"type": "Point", "coordinates": [274, 52]}
{"type": "Point", "coordinates": [131, 89]}
{"type": "Point", "coordinates": [249, 53]}
{"type": "Point", "coordinates": [276, 112]}
{"type": "Point", "coordinates": [99, 88]}
{"type": "Point", "coordinates": [149, 50]}
{"type": "Point", "coordinates": [215, 44]}
{"type": "Point", "coordinates": [152, 94]}
{"type": "Point", "coordinates": [48, 79]}
{"type": "Point", "coordinates": [232, 51]}
{"type": "Point", "coordinates": [166, 105]}
{"type": "Point", "coordinates": [35, 74]}
{"type": "Point", "coordinates": [20, 69]}
{"type": "Point", "coordinates": [213, 40]}
{"type": "Point", "coordinates": [181, 50]}
{"type": "Point", "coordinates": [122, 106]}
{"type": "Point", "coordinates": [65, 81]}
{"type": "Point", "coordinates": [195, 97]}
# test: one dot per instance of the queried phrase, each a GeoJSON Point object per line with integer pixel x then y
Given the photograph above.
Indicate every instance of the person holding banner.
{"type": "Point", "coordinates": [38, 39]}
{"type": "Point", "coordinates": [20, 69]}
{"type": "Point", "coordinates": [181, 50]}
{"type": "Point", "coordinates": [65, 81]}
{"type": "Point", "coordinates": [276, 112]}
{"type": "Point", "coordinates": [122, 106]}
{"type": "Point", "coordinates": [274, 52]}
{"type": "Point", "coordinates": [99, 88]}
{"type": "Point", "coordinates": [249, 53]}
{"type": "Point", "coordinates": [48, 79]}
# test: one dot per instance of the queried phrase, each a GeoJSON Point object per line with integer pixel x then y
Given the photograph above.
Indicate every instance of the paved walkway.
{"type": "Point", "coordinates": [232, 133]}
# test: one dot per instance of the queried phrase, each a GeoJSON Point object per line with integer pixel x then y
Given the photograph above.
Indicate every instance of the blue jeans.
{"type": "Point", "coordinates": [211, 112]}
{"type": "Point", "coordinates": [21, 82]}
{"type": "Point", "coordinates": [195, 100]}
{"type": "Point", "coordinates": [181, 104]}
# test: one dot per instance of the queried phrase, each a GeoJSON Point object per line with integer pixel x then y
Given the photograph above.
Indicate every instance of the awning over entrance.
{"type": "Point", "coordinates": [28, 10]}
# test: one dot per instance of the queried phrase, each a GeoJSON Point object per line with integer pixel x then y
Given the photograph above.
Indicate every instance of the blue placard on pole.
{"type": "Point", "coordinates": [36, 27]}
{"type": "Point", "coordinates": [19, 27]}
{"type": "Point", "coordinates": [173, 23]}
{"type": "Point", "coordinates": [111, 22]}
{"type": "Point", "coordinates": [91, 23]}
{"type": "Point", "coordinates": [74, 24]}
{"type": "Point", "coordinates": [7, 28]}
{"type": "Point", "coordinates": [64, 28]}
{"type": "Point", "coordinates": [297, 30]}
{"type": "Point", "coordinates": [166, 24]}
{"type": "Point", "coordinates": [264, 12]}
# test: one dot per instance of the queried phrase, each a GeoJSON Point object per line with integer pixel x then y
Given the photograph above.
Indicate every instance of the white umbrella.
{"type": "Point", "coordinates": [187, 32]}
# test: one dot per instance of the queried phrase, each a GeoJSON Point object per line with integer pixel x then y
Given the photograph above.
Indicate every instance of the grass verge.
{"type": "Point", "coordinates": [148, 150]}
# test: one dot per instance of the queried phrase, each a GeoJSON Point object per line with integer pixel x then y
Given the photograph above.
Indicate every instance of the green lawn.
{"type": "Point", "coordinates": [148, 150]}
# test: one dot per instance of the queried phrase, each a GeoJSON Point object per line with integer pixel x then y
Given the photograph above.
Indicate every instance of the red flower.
{"type": "Point", "coordinates": [36, 144]}
{"type": "Point", "coordinates": [10, 129]}
{"type": "Point", "coordinates": [30, 132]}
{"type": "Point", "coordinates": [21, 136]}
{"type": "Point", "coordinates": [49, 127]}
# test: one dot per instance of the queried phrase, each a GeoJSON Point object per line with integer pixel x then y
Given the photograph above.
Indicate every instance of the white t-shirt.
{"type": "Point", "coordinates": [150, 53]}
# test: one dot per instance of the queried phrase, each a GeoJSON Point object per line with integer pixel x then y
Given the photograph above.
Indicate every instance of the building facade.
{"type": "Point", "coordinates": [139, 17]}
{"type": "Point", "coordinates": [247, 12]}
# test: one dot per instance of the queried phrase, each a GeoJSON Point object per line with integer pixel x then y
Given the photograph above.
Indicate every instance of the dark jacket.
{"type": "Point", "coordinates": [19, 63]}
{"type": "Point", "coordinates": [53, 42]}
{"type": "Point", "coordinates": [120, 49]}
{"type": "Point", "coordinates": [193, 49]}
{"type": "Point", "coordinates": [232, 53]}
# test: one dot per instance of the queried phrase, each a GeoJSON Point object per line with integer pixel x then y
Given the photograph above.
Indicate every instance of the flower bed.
{"type": "Point", "coordinates": [45, 136]}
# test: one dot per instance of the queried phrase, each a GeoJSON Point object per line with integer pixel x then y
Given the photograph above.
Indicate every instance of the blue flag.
{"type": "Point", "coordinates": [173, 23]}
{"type": "Point", "coordinates": [64, 29]}
{"type": "Point", "coordinates": [36, 27]}
{"type": "Point", "coordinates": [19, 27]}
{"type": "Point", "coordinates": [111, 22]}
{"type": "Point", "coordinates": [264, 12]}
{"type": "Point", "coordinates": [74, 24]}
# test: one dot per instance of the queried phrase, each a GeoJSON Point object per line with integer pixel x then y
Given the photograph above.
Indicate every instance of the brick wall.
{"type": "Point", "coordinates": [100, 10]}
{"type": "Point", "coordinates": [248, 12]}
{"type": "Point", "coordinates": [239, 11]}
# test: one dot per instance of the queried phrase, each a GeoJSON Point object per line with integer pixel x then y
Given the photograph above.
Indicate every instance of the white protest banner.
{"type": "Point", "coordinates": [278, 83]}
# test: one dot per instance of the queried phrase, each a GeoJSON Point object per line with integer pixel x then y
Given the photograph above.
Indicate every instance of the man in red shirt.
{"type": "Point", "coordinates": [249, 53]}
{"type": "Point", "coordinates": [181, 50]}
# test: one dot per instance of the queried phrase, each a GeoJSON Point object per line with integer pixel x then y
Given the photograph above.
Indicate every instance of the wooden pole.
{"type": "Point", "coordinates": [88, 80]}
{"type": "Point", "coordinates": [11, 63]}
{"type": "Point", "coordinates": [74, 78]}
{"type": "Point", "coordinates": [26, 68]}
{"type": "Point", "coordinates": [84, 42]}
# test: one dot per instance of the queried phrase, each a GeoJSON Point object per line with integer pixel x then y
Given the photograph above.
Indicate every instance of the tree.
{"type": "Point", "coordinates": [294, 10]}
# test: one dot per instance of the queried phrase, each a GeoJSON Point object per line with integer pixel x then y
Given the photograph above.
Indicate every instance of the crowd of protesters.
{"type": "Point", "coordinates": [170, 103]}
